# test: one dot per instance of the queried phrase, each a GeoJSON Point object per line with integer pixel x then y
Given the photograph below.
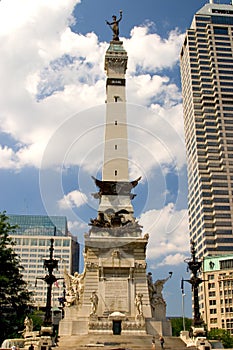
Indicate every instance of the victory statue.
{"type": "Point", "coordinates": [115, 26]}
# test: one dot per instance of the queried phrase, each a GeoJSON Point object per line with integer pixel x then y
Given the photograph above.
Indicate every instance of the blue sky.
{"type": "Point", "coordinates": [52, 115]}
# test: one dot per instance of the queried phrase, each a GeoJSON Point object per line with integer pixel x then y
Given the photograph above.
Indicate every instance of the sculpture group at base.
{"type": "Point", "coordinates": [157, 302]}
{"type": "Point", "coordinates": [74, 287]}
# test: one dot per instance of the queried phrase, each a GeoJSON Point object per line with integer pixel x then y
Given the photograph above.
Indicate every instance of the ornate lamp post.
{"type": "Point", "coordinates": [49, 265]}
{"type": "Point", "coordinates": [194, 266]}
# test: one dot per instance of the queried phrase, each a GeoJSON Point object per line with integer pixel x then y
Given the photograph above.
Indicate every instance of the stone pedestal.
{"type": "Point", "coordinates": [116, 271]}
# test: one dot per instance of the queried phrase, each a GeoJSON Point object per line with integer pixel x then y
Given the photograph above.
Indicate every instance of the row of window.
{"type": "Point", "coordinates": [41, 242]}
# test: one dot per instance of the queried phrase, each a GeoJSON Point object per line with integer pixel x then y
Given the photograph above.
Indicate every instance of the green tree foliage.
{"type": "Point", "coordinates": [14, 296]}
{"type": "Point", "coordinates": [37, 318]}
{"type": "Point", "coordinates": [177, 325]}
{"type": "Point", "coordinates": [223, 335]}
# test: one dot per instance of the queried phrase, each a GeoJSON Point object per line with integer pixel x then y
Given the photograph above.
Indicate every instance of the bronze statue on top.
{"type": "Point", "coordinates": [115, 26]}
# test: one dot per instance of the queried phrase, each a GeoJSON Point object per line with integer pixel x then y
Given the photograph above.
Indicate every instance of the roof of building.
{"type": "Point", "coordinates": [39, 225]}
{"type": "Point", "coordinates": [213, 9]}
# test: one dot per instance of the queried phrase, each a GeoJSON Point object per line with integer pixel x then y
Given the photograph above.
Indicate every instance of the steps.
{"type": "Point", "coordinates": [117, 342]}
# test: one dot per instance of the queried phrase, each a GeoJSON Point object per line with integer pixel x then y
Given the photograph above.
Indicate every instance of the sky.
{"type": "Point", "coordinates": [52, 113]}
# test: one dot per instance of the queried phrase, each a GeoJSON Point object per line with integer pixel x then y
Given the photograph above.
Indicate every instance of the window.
{"type": "Point", "coordinates": [66, 243]}
{"type": "Point", "coordinates": [221, 30]}
{"type": "Point", "coordinates": [213, 311]}
{"type": "Point", "coordinates": [210, 277]}
{"type": "Point", "coordinates": [213, 320]}
{"type": "Point", "coordinates": [226, 264]}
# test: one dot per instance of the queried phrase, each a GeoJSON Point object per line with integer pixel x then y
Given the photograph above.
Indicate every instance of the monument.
{"type": "Point", "coordinates": [111, 295]}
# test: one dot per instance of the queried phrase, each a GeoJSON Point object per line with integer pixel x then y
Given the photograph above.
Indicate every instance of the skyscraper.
{"type": "Point", "coordinates": [207, 85]}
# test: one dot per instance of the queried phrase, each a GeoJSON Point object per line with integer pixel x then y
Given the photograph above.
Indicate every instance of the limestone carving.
{"type": "Point", "coordinates": [138, 304]}
{"type": "Point", "coordinates": [157, 302]}
{"type": "Point", "coordinates": [74, 287]}
{"type": "Point", "coordinates": [94, 303]}
{"type": "Point", "coordinates": [28, 323]}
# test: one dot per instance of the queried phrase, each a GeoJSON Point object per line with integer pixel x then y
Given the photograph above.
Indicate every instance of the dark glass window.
{"type": "Point", "coordinates": [222, 19]}
{"type": "Point", "coordinates": [226, 264]}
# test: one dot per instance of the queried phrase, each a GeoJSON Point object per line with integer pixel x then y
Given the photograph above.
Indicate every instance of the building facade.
{"type": "Point", "coordinates": [218, 289]}
{"type": "Point", "coordinates": [32, 239]}
{"type": "Point", "coordinates": [207, 86]}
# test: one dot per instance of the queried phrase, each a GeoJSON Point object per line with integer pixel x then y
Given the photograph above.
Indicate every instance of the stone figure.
{"type": "Point", "coordinates": [115, 26]}
{"type": "Point", "coordinates": [138, 304]}
{"type": "Point", "coordinates": [28, 323]}
{"type": "Point", "coordinates": [158, 286]}
{"type": "Point", "coordinates": [74, 286]}
{"type": "Point", "coordinates": [94, 303]}
{"type": "Point", "coordinates": [157, 302]}
{"type": "Point", "coordinates": [151, 287]}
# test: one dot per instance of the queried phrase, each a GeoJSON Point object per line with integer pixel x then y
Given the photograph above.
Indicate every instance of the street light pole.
{"type": "Point", "coordinates": [183, 315]}
{"type": "Point", "coordinates": [194, 266]}
{"type": "Point", "coordinates": [49, 265]}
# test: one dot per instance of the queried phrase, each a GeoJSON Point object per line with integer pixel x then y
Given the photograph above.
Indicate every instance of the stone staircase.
{"type": "Point", "coordinates": [117, 342]}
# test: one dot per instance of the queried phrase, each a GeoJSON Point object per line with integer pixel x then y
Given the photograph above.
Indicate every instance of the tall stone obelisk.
{"type": "Point", "coordinates": [115, 188]}
{"type": "Point", "coordinates": [113, 295]}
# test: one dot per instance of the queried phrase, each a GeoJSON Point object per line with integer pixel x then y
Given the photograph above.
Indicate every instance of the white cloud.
{"type": "Point", "coordinates": [149, 52]}
{"type": "Point", "coordinates": [49, 73]}
{"type": "Point", "coordinates": [72, 200]}
{"type": "Point", "coordinates": [7, 157]}
{"type": "Point", "coordinates": [168, 230]}
{"type": "Point", "coordinates": [77, 226]}
{"type": "Point", "coordinates": [173, 259]}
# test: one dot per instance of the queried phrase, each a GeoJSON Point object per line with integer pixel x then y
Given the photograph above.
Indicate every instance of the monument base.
{"type": "Point", "coordinates": [102, 325]}
{"type": "Point", "coordinates": [72, 327]}
{"type": "Point", "coordinates": [158, 327]}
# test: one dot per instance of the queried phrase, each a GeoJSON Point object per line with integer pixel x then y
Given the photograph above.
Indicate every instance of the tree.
{"type": "Point", "coordinates": [14, 296]}
{"type": "Point", "coordinates": [222, 335]}
{"type": "Point", "coordinates": [177, 325]}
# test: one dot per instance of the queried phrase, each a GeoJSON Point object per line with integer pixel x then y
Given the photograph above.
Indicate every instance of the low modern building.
{"type": "Point", "coordinates": [216, 301]}
{"type": "Point", "coordinates": [32, 239]}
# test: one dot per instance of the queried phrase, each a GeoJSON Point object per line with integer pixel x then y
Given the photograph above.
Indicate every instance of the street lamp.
{"type": "Point", "coordinates": [49, 265]}
{"type": "Point", "coordinates": [194, 266]}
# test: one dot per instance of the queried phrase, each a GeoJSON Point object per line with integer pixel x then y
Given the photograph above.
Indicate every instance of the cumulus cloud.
{"type": "Point", "coordinates": [49, 73]}
{"type": "Point", "coordinates": [161, 53]}
{"type": "Point", "coordinates": [76, 226]}
{"type": "Point", "coordinates": [52, 104]}
{"type": "Point", "coordinates": [168, 230]}
{"type": "Point", "coordinates": [72, 199]}
{"type": "Point", "coordinates": [173, 259]}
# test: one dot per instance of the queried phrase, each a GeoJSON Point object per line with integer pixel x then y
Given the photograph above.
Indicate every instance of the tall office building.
{"type": "Point", "coordinates": [207, 85]}
{"type": "Point", "coordinates": [32, 239]}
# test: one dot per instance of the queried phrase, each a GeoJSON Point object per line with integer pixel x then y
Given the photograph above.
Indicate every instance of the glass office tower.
{"type": "Point", "coordinates": [32, 239]}
{"type": "Point", "coordinates": [207, 86]}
